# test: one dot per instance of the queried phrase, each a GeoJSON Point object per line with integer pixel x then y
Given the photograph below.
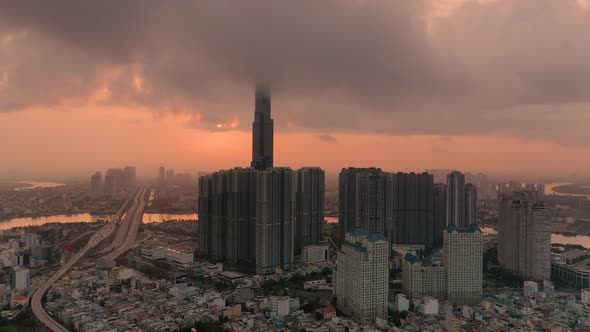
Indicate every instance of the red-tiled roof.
{"type": "Point", "coordinates": [328, 310]}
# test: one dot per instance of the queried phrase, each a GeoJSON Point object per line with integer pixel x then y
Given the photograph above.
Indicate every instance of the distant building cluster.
{"type": "Point", "coordinates": [537, 191]}
{"type": "Point", "coordinates": [174, 192]}
{"type": "Point", "coordinates": [44, 201]}
{"type": "Point", "coordinates": [168, 181]}
{"type": "Point", "coordinates": [116, 180]}
{"type": "Point", "coordinates": [21, 254]}
{"type": "Point", "coordinates": [26, 251]}
{"type": "Point", "coordinates": [407, 208]}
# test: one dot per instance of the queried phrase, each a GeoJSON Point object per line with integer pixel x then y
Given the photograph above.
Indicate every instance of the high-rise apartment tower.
{"type": "Point", "coordinates": [524, 235]}
{"type": "Point", "coordinates": [456, 199]}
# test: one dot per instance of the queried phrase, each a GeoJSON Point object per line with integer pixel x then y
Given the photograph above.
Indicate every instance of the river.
{"type": "Point", "coordinates": [160, 217]}
{"type": "Point", "coordinates": [60, 218]}
{"type": "Point", "coordinates": [149, 218]}
{"type": "Point", "coordinates": [549, 190]}
{"type": "Point", "coordinates": [38, 184]}
{"type": "Point", "coordinates": [87, 217]}
{"type": "Point", "coordinates": [582, 240]}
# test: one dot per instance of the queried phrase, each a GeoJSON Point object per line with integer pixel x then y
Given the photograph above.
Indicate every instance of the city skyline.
{"type": "Point", "coordinates": [337, 165]}
{"type": "Point", "coordinates": [449, 100]}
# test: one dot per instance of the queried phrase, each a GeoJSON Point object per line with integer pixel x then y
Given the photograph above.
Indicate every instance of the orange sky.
{"type": "Point", "coordinates": [58, 144]}
{"type": "Point", "coordinates": [494, 86]}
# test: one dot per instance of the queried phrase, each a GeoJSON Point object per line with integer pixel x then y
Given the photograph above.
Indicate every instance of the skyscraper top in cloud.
{"type": "Point", "coordinates": [262, 129]}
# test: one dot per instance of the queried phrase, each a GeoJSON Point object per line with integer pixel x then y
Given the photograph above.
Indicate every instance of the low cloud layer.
{"type": "Point", "coordinates": [502, 67]}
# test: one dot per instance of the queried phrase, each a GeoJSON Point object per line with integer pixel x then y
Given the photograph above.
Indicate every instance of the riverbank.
{"type": "Point", "coordinates": [13, 185]}
{"type": "Point", "coordinates": [45, 215]}
{"type": "Point", "coordinates": [148, 218]}
{"type": "Point", "coordinates": [573, 189]}
{"type": "Point", "coordinates": [566, 237]}
{"type": "Point", "coordinates": [577, 228]}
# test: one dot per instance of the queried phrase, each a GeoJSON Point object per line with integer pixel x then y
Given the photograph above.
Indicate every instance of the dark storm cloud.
{"type": "Point", "coordinates": [508, 67]}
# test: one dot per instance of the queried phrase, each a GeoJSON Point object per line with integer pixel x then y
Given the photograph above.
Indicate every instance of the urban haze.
{"type": "Point", "coordinates": [325, 166]}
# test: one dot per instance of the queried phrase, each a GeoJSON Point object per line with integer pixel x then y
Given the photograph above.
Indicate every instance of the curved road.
{"type": "Point", "coordinates": [99, 236]}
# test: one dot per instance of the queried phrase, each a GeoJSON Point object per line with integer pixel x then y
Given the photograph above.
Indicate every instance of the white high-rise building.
{"type": "Point", "coordinates": [459, 280]}
{"type": "Point", "coordinates": [530, 289]}
{"type": "Point", "coordinates": [586, 295]}
{"type": "Point", "coordinates": [20, 278]}
{"type": "Point", "coordinates": [429, 307]}
{"type": "Point", "coordinates": [463, 262]}
{"type": "Point", "coordinates": [315, 254]}
{"type": "Point", "coordinates": [403, 304]}
{"type": "Point", "coordinates": [361, 276]}
{"type": "Point", "coordinates": [280, 305]}
{"type": "Point", "coordinates": [456, 199]}
{"type": "Point", "coordinates": [419, 281]}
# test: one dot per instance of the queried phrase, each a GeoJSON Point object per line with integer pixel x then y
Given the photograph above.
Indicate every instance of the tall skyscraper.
{"type": "Point", "coordinates": [463, 262]}
{"type": "Point", "coordinates": [524, 236]}
{"type": "Point", "coordinates": [310, 201]}
{"type": "Point", "coordinates": [347, 198]}
{"type": "Point", "coordinates": [227, 215]}
{"type": "Point", "coordinates": [256, 217]}
{"type": "Point", "coordinates": [113, 181]}
{"type": "Point", "coordinates": [275, 217]}
{"type": "Point", "coordinates": [413, 215]}
{"type": "Point", "coordinates": [161, 185]}
{"type": "Point", "coordinates": [207, 215]}
{"type": "Point", "coordinates": [169, 176]}
{"type": "Point", "coordinates": [456, 199]}
{"type": "Point", "coordinates": [109, 184]}
{"type": "Point", "coordinates": [514, 186]}
{"type": "Point", "coordinates": [161, 176]}
{"type": "Point", "coordinates": [262, 130]}
{"type": "Point", "coordinates": [361, 276]}
{"type": "Point", "coordinates": [241, 223]}
{"type": "Point", "coordinates": [537, 190]}
{"type": "Point", "coordinates": [96, 184]}
{"type": "Point", "coordinates": [470, 204]}
{"type": "Point", "coordinates": [130, 177]}
{"type": "Point", "coordinates": [440, 211]}
{"type": "Point", "coordinates": [371, 201]}
{"type": "Point", "coordinates": [540, 191]}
